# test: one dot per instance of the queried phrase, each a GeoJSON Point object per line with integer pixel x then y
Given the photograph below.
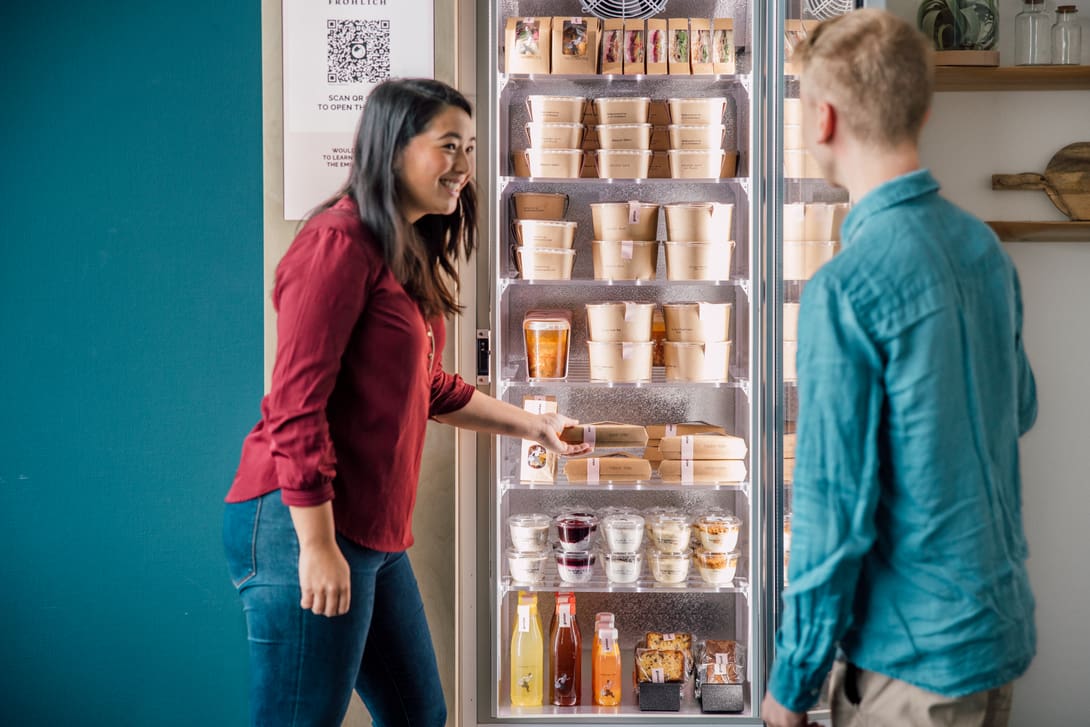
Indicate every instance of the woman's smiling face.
{"type": "Point", "coordinates": [436, 164]}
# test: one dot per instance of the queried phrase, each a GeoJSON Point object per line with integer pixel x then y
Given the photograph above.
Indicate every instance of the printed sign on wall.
{"type": "Point", "coordinates": [335, 52]}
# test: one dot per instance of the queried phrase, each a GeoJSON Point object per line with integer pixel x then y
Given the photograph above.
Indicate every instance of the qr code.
{"type": "Point", "coordinates": [358, 51]}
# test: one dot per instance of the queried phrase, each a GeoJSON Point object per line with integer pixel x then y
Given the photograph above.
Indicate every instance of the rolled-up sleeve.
{"type": "Point", "coordinates": [1027, 385]}
{"type": "Point", "coordinates": [449, 392]}
{"type": "Point", "coordinates": [321, 290]}
{"type": "Point", "coordinates": [836, 489]}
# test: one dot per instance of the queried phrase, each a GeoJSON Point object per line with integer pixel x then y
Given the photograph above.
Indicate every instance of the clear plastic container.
{"type": "Point", "coordinates": [527, 567]}
{"type": "Point", "coordinates": [670, 532]}
{"type": "Point", "coordinates": [716, 569]}
{"type": "Point", "coordinates": [575, 566]}
{"type": "Point", "coordinates": [529, 532]}
{"type": "Point", "coordinates": [718, 532]}
{"type": "Point", "coordinates": [575, 531]}
{"type": "Point", "coordinates": [548, 340]}
{"type": "Point", "coordinates": [623, 532]}
{"type": "Point", "coordinates": [670, 568]}
{"type": "Point", "coordinates": [623, 567]}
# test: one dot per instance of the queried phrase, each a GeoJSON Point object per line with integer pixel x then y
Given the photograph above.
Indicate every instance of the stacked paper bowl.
{"type": "Point", "coordinates": [555, 132]}
{"type": "Point", "coordinates": [698, 240]}
{"type": "Point", "coordinates": [625, 245]}
{"type": "Point", "coordinates": [797, 162]}
{"type": "Point", "coordinates": [624, 137]}
{"type": "Point", "coordinates": [696, 133]}
{"type": "Point", "coordinates": [619, 341]}
{"type": "Point", "coordinates": [697, 341]}
{"type": "Point", "coordinates": [544, 240]}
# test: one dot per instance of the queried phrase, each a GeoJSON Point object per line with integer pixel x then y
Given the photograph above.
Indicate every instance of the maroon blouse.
{"type": "Point", "coordinates": [358, 373]}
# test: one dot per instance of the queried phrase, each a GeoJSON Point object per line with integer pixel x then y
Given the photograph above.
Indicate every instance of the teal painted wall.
{"type": "Point", "coordinates": [130, 355]}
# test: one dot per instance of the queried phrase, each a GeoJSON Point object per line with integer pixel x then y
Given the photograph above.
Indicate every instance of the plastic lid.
{"type": "Point", "coordinates": [532, 520]}
{"type": "Point", "coordinates": [656, 554]}
{"type": "Point", "coordinates": [549, 223]}
{"type": "Point", "coordinates": [623, 519]}
{"type": "Point", "coordinates": [527, 554]}
{"type": "Point", "coordinates": [722, 518]}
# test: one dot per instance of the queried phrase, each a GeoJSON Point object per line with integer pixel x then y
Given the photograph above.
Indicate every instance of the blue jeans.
{"type": "Point", "coordinates": [303, 667]}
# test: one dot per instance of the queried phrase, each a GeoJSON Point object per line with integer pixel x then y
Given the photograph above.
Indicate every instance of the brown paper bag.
{"type": "Point", "coordinates": [658, 46]}
{"type": "Point", "coordinates": [794, 31]}
{"type": "Point", "coordinates": [723, 49]}
{"type": "Point", "coordinates": [702, 471]}
{"type": "Point", "coordinates": [575, 45]}
{"type": "Point", "coordinates": [612, 46]}
{"type": "Point", "coordinates": [528, 45]}
{"type": "Point", "coordinates": [618, 467]}
{"type": "Point", "coordinates": [635, 47]}
{"type": "Point", "coordinates": [703, 446]}
{"type": "Point", "coordinates": [700, 41]}
{"type": "Point", "coordinates": [606, 434]}
{"type": "Point", "coordinates": [678, 50]}
{"type": "Point", "coordinates": [659, 431]}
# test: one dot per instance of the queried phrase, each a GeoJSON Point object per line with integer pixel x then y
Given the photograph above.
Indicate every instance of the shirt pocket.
{"type": "Point", "coordinates": [240, 521]}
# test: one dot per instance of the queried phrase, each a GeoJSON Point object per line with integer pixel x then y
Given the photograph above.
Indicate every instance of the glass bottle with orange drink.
{"type": "Point", "coordinates": [606, 662]}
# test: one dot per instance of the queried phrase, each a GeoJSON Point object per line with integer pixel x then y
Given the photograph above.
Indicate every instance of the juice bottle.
{"type": "Point", "coordinates": [565, 667]}
{"type": "Point", "coordinates": [527, 655]}
{"type": "Point", "coordinates": [606, 663]}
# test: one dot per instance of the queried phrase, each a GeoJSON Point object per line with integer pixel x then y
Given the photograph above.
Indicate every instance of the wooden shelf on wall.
{"type": "Point", "coordinates": [1041, 231]}
{"type": "Point", "coordinates": [1012, 78]}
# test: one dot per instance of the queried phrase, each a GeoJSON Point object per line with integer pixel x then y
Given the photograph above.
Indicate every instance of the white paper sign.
{"type": "Point", "coordinates": [335, 52]}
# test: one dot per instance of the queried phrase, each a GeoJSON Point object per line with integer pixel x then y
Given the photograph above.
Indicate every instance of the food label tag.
{"type": "Point", "coordinates": [686, 471]}
{"type": "Point", "coordinates": [626, 249]}
{"type": "Point", "coordinates": [687, 446]}
{"type": "Point", "coordinates": [565, 615]}
{"type": "Point", "coordinates": [669, 637]}
{"type": "Point", "coordinates": [721, 664]}
{"type": "Point", "coordinates": [524, 619]}
{"type": "Point", "coordinates": [629, 311]}
{"type": "Point", "coordinates": [671, 430]}
{"type": "Point", "coordinates": [594, 471]}
{"type": "Point", "coordinates": [658, 676]}
{"type": "Point", "coordinates": [605, 639]}
{"type": "Point", "coordinates": [588, 434]}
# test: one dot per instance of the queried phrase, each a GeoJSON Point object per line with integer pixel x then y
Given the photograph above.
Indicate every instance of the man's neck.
{"type": "Point", "coordinates": [862, 169]}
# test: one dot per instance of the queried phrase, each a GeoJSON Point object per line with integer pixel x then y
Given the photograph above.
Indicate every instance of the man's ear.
{"type": "Point", "coordinates": [826, 122]}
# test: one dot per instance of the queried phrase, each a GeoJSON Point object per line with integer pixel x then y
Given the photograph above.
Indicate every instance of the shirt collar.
{"type": "Point", "coordinates": [888, 194]}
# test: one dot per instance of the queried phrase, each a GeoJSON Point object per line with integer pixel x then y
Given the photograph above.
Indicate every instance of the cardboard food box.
{"type": "Point", "coordinates": [794, 31]}
{"type": "Point", "coordinates": [528, 42]}
{"type": "Point", "coordinates": [635, 47]}
{"type": "Point", "coordinates": [658, 46]}
{"type": "Point", "coordinates": [678, 47]}
{"type": "Point", "coordinates": [703, 446]}
{"type": "Point", "coordinates": [693, 471]}
{"type": "Point", "coordinates": [606, 434]}
{"type": "Point", "coordinates": [575, 45]}
{"type": "Point", "coordinates": [618, 467]}
{"type": "Point", "coordinates": [700, 42]}
{"type": "Point", "coordinates": [724, 51]}
{"type": "Point", "coordinates": [658, 431]}
{"type": "Point", "coordinates": [537, 464]}
{"type": "Point", "coordinates": [612, 46]}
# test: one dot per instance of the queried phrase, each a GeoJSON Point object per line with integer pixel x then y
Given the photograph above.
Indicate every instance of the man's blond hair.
{"type": "Point", "coordinates": [877, 71]}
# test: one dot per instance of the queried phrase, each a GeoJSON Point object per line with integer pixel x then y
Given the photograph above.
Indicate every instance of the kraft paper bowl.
{"type": "Point", "coordinates": [802, 259]}
{"type": "Point", "coordinates": [546, 135]}
{"type": "Point", "coordinates": [624, 136]}
{"type": "Point", "coordinates": [691, 136]}
{"type": "Point", "coordinates": [697, 322]}
{"type": "Point", "coordinates": [799, 164]}
{"type": "Point", "coordinates": [557, 163]}
{"type": "Point", "coordinates": [790, 352]}
{"type": "Point", "coordinates": [541, 263]}
{"type": "Point", "coordinates": [620, 321]}
{"type": "Point", "coordinates": [792, 111]}
{"type": "Point", "coordinates": [545, 233]}
{"type": "Point", "coordinates": [620, 362]}
{"type": "Point", "coordinates": [698, 260]}
{"type": "Point", "coordinates": [822, 221]}
{"type": "Point", "coordinates": [614, 220]}
{"type": "Point", "coordinates": [696, 164]}
{"type": "Point", "coordinates": [540, 206]}
{"type": "Point", "coordinates": [790, 321]}
{"type": "Point", "coordinates": [625, 259]}
{"type": "Point", "coordinates": [792, 136]}
{"type": "Point", "coordinates": [623, 163]}
{"type": "Point", "coordinates": [697, 111]}
{"type": "Point", "coordinates": [556, 109]}
{"type": "Point", "coordinates": [697, 361]}
{"type": "Point", "coordinates": [699, 221]}
{"type": "Point", "coordinates": [622, 110]}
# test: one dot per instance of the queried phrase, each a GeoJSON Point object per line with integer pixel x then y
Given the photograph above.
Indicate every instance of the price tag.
{"type": "Point", "coordinates": [589, 434]}
{"type": "Point", "coordinates": [633, 212]}
{"type": "Point", "coordinates": [671, 430]}
{"type": "Point", "coordinates": [524, 619]}
{"type": "Point", "coordinates": [687, 442]}
{"type": "Point", "coordinates": [565, 615]}
{"type": "Point", "coordinates": [658, 676]}
{"type": "Point", "coordinates": [626, 249]}
{"type": "Point", "coordinates": [721, 664]}
{"type": "Point", "coordinates": [686, 472]}
{"type": "Point", "coordinates": [594, 471]}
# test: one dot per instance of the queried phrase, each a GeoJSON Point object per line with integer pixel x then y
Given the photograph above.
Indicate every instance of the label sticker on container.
{"type": "Point", "coordinates": [686, 472]}
{"type": "Point", "coordinates": [633, 212]}
{"type": "Point", "coordinates": [721, 664]}
{"type": "Point", "coordinates": [629, 310]}
{"type": "Point", "coordinates": [627, 351]}
{"type": "Point", "coordinates": [564, 611]}
{"type": "Point", "coordinates": [703, 310]}
{"type": "Point", "coordinates": [594, 471]}
{"type": "Point", "coordinates": [669, 637]}
{"type": "Point", "coordinates": [626, 249]}
{"type": "Point", "coordinates": [605, 639]}
{"type": "Point", "coordinates": [524, 619]}
{"type": "Point", "coordinates": [671, 430]}
{"type": "Point", "coordinates": [589, 435]}
{"type": "Point", "coordinates": [658, 676]}
{"type": "Point", "coordinates": [687, 442]}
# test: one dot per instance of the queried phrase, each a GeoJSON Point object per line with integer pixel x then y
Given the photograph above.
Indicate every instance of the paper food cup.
{"type": "Point", "coordinates": [698, 260]}
{"type": "Point", "coordinates": [799, 164]}
{"type": "Point", "coordinates": [792, 111]}
{"type": "Point", "coordinates": [793, 221]}
{"type": "Point", "coordinates": [790, 351]}
{"type": "Point", "coordinates": [697, 111]}
{"type": "Point", "coordinates": [556, 109]}
{"type": "Point", "coordinates": [697, 361]}
{"type": "Point", "coordinates": [823, 221]}
{"type": "Point", "coordinates": [622, 110]}
{"type": "Point", "coordinates": [696, 164]}
{"type": "Point", "coordinates": [542, 263]}
{"type": "Point", "coordinates": [561, 163]}
{"type": "Point", "coordinates": [545, 135]}
{"type": "Point", "coordinates": [689, 137]}
{"type": "Point", "coordinates": [624, 136]}
{"type": "Point", "coordinates": [625, 259]}
{"type": "Point", "coordinates": [792, 136]}
{"type": "Point", "coordinates": [620, 321]}
{"type": "Point", "coordinates": [622, 362]}
{"type": "Point", "coordinates": [625, 220]}
{"type": "Point", "coordinates": [699, 221]}
{"type": "Point", "coordinates": [790, 321]}
{"type": "Point", "coordinates": [697, 322]}
{"type": "Point", "coordinates": [545, 233]}
{"type": "Point", "coordinates": [802, 259]}
{"type": "Point", "coordinates": [540, 206]}
{"type": "Point", "coordinates": [623, 163]}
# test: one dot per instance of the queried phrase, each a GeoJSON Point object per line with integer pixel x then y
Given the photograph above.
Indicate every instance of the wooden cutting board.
{"type": "Point", "coordinates": [1066, 180]}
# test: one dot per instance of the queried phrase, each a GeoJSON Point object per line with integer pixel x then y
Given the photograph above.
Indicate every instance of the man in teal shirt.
{"type": "Point", "coordinates": [908, 549]}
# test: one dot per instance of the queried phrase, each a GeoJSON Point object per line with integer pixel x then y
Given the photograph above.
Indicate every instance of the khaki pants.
{"type": "Point", "coordinates": [861, 698]}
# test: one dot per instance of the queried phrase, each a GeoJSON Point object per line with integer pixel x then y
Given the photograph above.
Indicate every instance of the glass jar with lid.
{"type": "Point", "coordinates": [1032, 34]}
{"type": "Point", "coordinates": [1066, 36]}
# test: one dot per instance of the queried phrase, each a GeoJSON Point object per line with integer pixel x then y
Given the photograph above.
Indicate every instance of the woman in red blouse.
{"type": "Point", "coordinates": [319, 515]}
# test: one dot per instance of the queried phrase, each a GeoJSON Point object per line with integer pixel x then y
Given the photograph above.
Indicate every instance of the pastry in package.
{"type": "Point", "coordinates": [659, 666]}
{"type": "Point", "coordinates": [722, 662]}
{"type": "Point", "coordinates": [635, 45]}
{"type": "Point", "coordinates": [575, 45]}
{"type": "Point", "coordinates": [664, 640]}
{"type": "Point", "coordinates": [677, 56]}
{"type": "Point", "coordinates": [528, 45]}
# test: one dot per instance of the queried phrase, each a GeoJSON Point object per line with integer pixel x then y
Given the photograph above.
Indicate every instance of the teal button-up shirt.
{"type": "Point", "coordinates": [908, 548]}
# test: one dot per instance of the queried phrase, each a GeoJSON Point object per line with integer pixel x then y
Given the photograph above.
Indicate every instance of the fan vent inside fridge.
{"type": "Point", "coordinates": [623, 8]}
{"type": "Point", "coordinates": [828, 9]}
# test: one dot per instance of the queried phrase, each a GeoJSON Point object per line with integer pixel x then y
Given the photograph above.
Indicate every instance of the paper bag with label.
{"type": "Point", "coordinates": [657, 46]}
{"type": "Point", "coordinates": [612, 46]}
{"type": "Point", "coordinates": [695, 471]}
{"type": "Point", "coordinates": [619, 467]}
{"type": "Point", "coordinates": [538, 465]}
{"type": "Point", "coordinates": [658, 431]}
{"type": "Point", "coordinates": [575, 45]}
{"type": "Point", "coordinates": [606, 434]}
{"type": "Point", "coordinates": [528, 45]}
{"type": "Point", "coordinates": [723, 50]}
{"type": "Point", "coordinates": [703, 446]}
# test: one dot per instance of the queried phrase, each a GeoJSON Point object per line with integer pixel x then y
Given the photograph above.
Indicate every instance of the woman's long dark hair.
{"type": "Point", "coordinates": [423, 256]}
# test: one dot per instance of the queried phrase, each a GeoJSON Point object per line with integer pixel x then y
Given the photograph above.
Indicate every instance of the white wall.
{"type": "Point", "coordinates": [971, 136]}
